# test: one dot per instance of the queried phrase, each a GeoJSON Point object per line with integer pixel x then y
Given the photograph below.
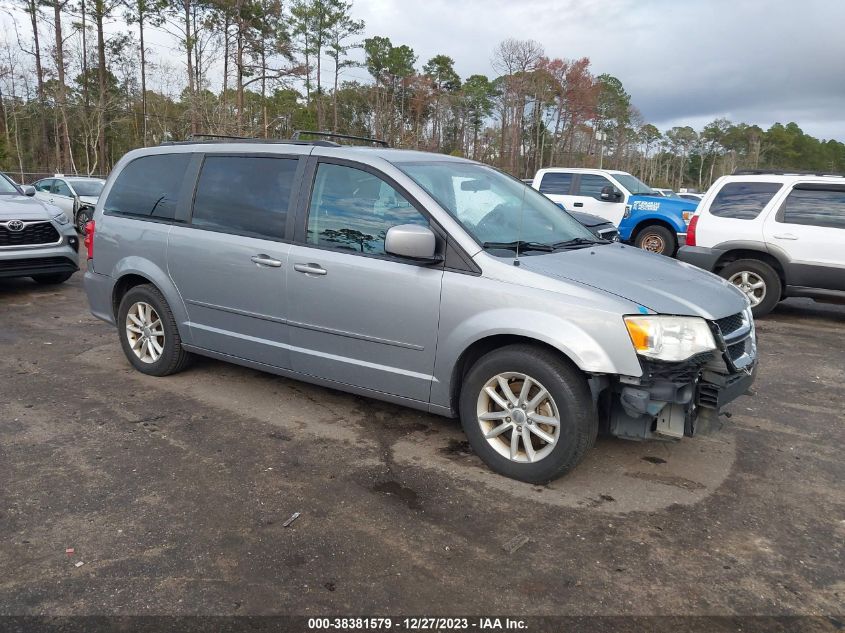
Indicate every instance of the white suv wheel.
{"type": "Point", "coordinates": [751, 284]}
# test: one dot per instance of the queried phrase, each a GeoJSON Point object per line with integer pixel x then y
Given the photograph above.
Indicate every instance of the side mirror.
{"type": "Point", "coordinates": [610, 194]}
{"type": "Point", "coordinates": [412, 241]}
{"type": "Point", "coordinates": [28, 190]}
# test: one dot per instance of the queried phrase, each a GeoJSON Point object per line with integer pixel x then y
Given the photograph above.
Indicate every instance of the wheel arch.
{"type": "Point", "coordinates": [487, 344]}
{"type": "Point", "coordinates": [123, 285]}
{"type": "Point", "coordinates": [653, 221]}
{"type": "Point", "coordinates": [735, 254]}
{"type": "Point", "coordinates": [132, 276]}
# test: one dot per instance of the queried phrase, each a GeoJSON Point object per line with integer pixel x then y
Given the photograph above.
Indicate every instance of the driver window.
{"type": "Point", "coordinates": [352, 210]}
{"type": "Point", "coordinates": [61, 189]}
{"type": "Point", "coordinates": [44, 185]}
{"type": "Point", "coordinates": [592, 185]}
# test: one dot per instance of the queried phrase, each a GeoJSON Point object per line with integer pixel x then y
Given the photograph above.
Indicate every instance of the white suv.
{"type": "Point", "coordinates": [774, 235]}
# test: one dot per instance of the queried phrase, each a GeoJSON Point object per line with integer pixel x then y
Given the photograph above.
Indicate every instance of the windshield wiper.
{"type": "Point", "coordinates": [520, 245]}
{"type": "Point", "coordinates": [578, 242]}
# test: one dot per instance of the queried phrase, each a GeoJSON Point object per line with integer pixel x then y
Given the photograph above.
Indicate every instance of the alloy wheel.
{"type": "Point", "coordinates": [751, 284]}
{"type": "Point", "coordinates": [145, 332]}
{"type": "Point", "coordinates": [82, 218]}
{"type": "Point", "coordinates": [518, 417]}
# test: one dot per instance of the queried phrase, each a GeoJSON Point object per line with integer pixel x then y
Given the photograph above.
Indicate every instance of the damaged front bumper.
{"type": "Point", "coordinates": [676, 399]}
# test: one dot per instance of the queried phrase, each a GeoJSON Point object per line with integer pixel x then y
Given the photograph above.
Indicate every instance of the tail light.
{"type": "Point", "coordinates": [691, 230]}
{"type": "Point", "coordinates": [89, 238]}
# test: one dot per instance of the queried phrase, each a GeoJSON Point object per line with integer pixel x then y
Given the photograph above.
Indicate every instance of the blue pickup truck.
{"type": "Point", "coordinates": [644, 218]}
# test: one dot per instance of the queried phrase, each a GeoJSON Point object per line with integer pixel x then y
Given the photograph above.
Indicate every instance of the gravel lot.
{"type": "Point", "coordinates": [174, 492]}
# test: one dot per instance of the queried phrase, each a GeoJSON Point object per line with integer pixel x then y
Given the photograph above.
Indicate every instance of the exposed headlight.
{"type": "Point", "coordinates": [669, 338]}
{"type": "Point", "coordinates": [61, 218]}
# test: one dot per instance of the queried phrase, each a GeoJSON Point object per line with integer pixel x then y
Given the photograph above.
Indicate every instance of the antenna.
{"type": "Point", "coordinates": [521, 224]}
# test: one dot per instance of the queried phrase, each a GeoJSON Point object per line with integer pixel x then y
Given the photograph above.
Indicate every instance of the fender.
{"type": "Point", "coordinates": [143, 267]}
{"type": "Point", "coordinates": [566, 335]}
{"type": "Point", "coordinates": [642, 209]}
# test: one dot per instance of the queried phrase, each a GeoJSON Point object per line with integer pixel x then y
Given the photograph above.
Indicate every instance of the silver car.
{"type": "Point", "coordinates": [36, 239]}
{"type": "Point", "coordinates": [421, 279]}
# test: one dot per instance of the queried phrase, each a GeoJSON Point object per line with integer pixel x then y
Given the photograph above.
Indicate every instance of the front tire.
{"type": "Point", "coordinates": [656, 238]}
{"type": "Point", "coordinates": [148, 333]}
{"type": "Point", "coordinates": [759, 281]}
{"type": "Point", "coordinates": [83, 216]}
{"type": "Point", "coordinates": [527, 413]}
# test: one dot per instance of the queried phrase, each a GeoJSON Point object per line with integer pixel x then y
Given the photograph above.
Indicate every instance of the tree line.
{"type": "Point", "coordinates": [77, 95]}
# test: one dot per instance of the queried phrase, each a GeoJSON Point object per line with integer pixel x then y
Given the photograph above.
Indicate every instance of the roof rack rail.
{"type": "Point", "coordinates": [194, 139]}
{"type": "Point", "coordinates": [349, 137]}
{"type": "Point", "coordinates": [783, 172]}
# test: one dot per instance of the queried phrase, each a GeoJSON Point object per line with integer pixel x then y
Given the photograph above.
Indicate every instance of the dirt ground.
{"type": "Point", "coordinates": [174, 492]}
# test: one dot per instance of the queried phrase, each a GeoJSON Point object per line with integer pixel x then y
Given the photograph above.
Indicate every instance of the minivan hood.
{"type": "Point", "coordinates": [661, 284]}
{"type": "Point", "coordinates": [22, 208]}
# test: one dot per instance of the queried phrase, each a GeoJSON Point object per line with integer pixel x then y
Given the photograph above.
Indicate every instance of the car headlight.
{"type": "Point", "coordinates": [669, 338]}
{"type": "Point", "coordinates": [60, 218]}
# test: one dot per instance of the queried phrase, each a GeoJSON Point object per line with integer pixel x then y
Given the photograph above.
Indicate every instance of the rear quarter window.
{"type": "Point", "coordinates": [743, 200]}
{"type": "Point", "coordinates": [148, 187]}
{"type": "Point", "coordinates": [244, 195]}
{"type": "Point", "coordinates": [814, 205]}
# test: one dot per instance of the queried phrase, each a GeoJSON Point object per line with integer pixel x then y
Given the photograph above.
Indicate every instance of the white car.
{"type": "Point", "coordinates": [75, 195]}
{"type": "Point", "coordinates": [689, 195]}
{"type": "Point", "coordinates": [666, 193]}
{"type": "Point", "coordinates": [773, 235]}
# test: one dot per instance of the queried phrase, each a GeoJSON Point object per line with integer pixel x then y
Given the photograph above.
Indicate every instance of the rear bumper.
{"type": "Point", "coordinates": [700, 256]}
{"type": "Point", "coordinates": [99, 289]}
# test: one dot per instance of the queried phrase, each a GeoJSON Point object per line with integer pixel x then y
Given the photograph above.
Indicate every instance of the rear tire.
{"type": "Point", "coordinates": [656, 238]}
{"type": "Point", "coordinates": [746, 274]}
{"type": "Point", "coordinates": [555, 449]}
{"type": "Point", "coordinates": [151, 343]}
{"type": "Point", "coordinates": [51, 279]}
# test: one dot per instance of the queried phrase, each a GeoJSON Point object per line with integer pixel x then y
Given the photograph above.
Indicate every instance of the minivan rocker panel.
{"type": "Point", "coordinates": [536, 351]}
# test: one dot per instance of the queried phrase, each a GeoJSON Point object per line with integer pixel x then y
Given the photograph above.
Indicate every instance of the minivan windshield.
{"type": "Point", "coordinates": [500, 212]}
{"type": "Point", "coordinates": [635, 185]}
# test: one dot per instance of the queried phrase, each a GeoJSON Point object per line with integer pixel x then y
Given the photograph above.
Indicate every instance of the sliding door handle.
{"type": "Point", "coordinates": [310, 269]}
{"type": "Point", "coordinates": [266, 260]}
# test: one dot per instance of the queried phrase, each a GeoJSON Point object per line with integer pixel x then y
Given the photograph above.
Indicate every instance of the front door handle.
{"type": "Point", "coordinates": [266, 260]}
{"type": "Point", "coordinates": [578, 204]}
{"type": "Point", "coordinates": [310, 269]}
{"type": "Point", "coordinates": [785, 236]}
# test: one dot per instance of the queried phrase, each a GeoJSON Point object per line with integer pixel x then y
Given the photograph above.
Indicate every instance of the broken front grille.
{"type": "Point", "coordinates": [737, 334]}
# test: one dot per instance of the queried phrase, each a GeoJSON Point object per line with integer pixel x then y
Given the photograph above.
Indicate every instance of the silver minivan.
{"type": "Point", "coordinates": [426, 280]}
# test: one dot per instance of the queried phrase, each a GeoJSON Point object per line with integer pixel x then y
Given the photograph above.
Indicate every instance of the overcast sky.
{"type": "Point", "coordinates": [684, 62]}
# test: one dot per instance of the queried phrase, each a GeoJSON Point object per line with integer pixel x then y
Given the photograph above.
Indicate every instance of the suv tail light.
{"type": "Point", "coordinates": [691, 230]}
{"type": "Point", "coordinates": [89, 238]}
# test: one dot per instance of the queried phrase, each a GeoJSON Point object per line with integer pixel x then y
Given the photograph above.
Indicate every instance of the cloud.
{"type": "Point", "coordinates": [758, 61]}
